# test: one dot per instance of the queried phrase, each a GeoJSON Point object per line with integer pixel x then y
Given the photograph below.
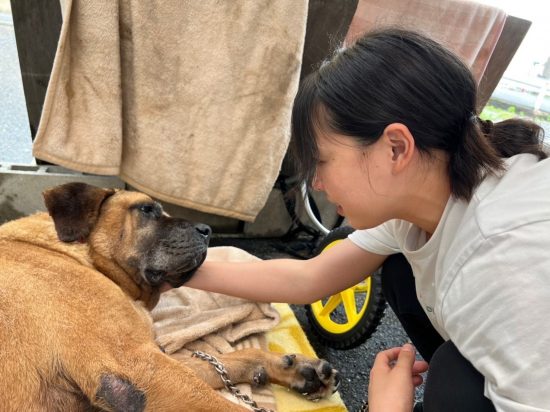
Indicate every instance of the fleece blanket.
{"type": "Point", "coordinates": [468, 28]}
{"type": "Point", "coordinates": [188, 101]}
{"type": "Point", "coordinates": [186, 320]}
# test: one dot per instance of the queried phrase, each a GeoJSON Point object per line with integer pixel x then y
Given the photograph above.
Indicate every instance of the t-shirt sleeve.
{"type": "Point", "coordinates": [496, 312]}
{"type": "Point", "coordinates": [380, 240]}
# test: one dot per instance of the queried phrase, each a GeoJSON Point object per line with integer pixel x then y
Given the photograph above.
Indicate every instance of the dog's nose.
{"type": "Point", "coordinates": [155, 277]}
{"type": "Point", "coordinates": [203, 229]}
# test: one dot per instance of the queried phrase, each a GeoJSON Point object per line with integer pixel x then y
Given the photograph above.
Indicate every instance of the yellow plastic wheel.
{"type": "Point", "coordinates": [354, 303]}
{"type": "Point", "coordinates": [348, 318]}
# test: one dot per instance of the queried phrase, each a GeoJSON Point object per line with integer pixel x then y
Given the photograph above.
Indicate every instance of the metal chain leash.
{"type": "Point", "coordinates": [218, 366]}
{"type": "Point", "coordinates": [227, 382]}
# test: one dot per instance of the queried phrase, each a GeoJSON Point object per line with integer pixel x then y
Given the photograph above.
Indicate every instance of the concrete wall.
{"type": "Point", "coordinates": [21, 188]}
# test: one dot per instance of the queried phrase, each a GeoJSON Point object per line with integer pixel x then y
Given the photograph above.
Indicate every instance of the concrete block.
{"type": "Point", "coordinates": [272, 221]}
{"type": "Point", "coordinates": [21, 186]}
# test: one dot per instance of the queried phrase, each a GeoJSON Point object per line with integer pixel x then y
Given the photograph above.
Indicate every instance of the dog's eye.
{"type": "Point", "coordinates": [148, 210]}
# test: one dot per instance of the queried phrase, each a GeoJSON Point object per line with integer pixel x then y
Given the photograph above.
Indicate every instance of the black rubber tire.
{"type": "Point", "coordinates": [372, 316]}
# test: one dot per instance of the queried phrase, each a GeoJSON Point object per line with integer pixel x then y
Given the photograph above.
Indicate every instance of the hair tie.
{"type": "Point", "coordinates": [486, 126]}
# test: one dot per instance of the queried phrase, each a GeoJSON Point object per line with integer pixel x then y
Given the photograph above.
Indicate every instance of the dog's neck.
{"type": "Point", "coordinates": [129, 280]}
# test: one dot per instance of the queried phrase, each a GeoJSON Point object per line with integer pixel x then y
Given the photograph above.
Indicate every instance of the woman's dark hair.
{"type": "Point", "coordinates": [398, 76]}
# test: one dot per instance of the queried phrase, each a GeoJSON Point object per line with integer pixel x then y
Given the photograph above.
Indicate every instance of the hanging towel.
{"type": "Point", "coordinates": [188, 101]}
{"type": "Point", "coordinates": [468, 28]}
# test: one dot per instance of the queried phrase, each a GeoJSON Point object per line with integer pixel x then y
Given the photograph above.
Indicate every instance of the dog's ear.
{"type": "Point", "coordinates": [74, 208]}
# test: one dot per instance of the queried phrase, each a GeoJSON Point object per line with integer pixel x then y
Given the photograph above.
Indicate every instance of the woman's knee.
{"type": "Point", "coordinates": [453, 384]}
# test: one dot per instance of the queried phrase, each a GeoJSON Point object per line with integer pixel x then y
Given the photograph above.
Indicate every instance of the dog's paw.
{"type": "Point", "coordinates": [313, 378]}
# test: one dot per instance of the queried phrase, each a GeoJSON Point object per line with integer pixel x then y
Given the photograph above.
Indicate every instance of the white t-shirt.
{"type": "Point", "coordinates": [483, 279]}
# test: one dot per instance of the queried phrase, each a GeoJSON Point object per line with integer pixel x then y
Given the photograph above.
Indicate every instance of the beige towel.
{"type": "Point", "coordinates": [468, 28]}
{"type": "Point", "coordinates": [188, 101]}
{"type": "Point", "coordinates": [188, 319]}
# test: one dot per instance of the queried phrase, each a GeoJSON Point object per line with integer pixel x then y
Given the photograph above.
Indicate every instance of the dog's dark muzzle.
{"type": "Point", "coordinates": [176, 258]}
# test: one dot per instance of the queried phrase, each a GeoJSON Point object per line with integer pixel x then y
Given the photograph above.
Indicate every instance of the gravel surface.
{"type": "Point", "coordinates": [353, 364]}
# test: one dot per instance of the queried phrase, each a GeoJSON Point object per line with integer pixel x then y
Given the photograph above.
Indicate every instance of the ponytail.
{"type": "Point", "coordinates": [514, 136]}
{"type": "Point", "coordinates": [483, 147]}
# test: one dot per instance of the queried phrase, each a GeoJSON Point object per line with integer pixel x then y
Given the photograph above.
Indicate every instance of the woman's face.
{"type": "Point", "coordinates": [357, 179]}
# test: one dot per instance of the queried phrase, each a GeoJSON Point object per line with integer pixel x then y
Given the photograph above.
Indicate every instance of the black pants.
{"type": "Point", "coordinates": [453, 384]}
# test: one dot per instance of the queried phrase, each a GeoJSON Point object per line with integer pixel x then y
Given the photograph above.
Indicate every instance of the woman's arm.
{"type": "Point", "coordinates": [289, 280]}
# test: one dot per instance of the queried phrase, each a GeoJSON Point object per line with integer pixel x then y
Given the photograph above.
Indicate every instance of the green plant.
{"type": "Point", "coordinates": [496, 114]}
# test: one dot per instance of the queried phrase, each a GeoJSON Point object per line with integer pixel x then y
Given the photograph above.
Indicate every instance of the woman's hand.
{"type": "Point", "coordinates": [393, 377]}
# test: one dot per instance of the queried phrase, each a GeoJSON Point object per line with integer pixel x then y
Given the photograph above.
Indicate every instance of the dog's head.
{"type": "Point", "coordinates": [131, 230]}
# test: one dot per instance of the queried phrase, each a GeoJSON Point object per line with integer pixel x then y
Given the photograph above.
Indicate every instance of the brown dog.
{"type": "Point", "coordinates": [76, 334]}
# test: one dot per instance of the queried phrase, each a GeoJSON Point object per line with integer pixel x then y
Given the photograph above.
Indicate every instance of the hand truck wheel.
{"type": "Point", "coordinates": [345, 320]}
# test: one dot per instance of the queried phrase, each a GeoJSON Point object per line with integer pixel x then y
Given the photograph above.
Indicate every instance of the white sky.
{"type": "Point", "coordinates": [536, 45]}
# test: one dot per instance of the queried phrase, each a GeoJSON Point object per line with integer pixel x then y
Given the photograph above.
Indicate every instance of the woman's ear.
{"type": "Point", "coordinates": [401, 142]}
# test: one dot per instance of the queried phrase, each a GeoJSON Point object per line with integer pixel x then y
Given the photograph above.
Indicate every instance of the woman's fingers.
{"type": "Point", "coordinates": [406, 357]}
{"type": "Point", "coordinates": [419, 367]}
{"type": "Point", "coordinates": [386, 358]}
{"type": "Point", "coordinates": [403, 356]}
{"type": "Point", "coordinates": [417, 380]}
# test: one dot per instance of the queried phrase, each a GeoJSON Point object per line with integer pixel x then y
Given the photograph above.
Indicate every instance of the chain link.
{"type": "Point", "coordinates": [218, 366]}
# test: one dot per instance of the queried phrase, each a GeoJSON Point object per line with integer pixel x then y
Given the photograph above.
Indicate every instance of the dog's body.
{"type": "Point", "coordinates": [75, 327]}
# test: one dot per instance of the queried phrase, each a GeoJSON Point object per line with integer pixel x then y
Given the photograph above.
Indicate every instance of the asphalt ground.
{"type": "Point", "coordinates": [354, 364]}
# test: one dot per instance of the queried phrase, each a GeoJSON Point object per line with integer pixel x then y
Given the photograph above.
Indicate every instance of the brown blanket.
{"type": "Point", "coordinates": [188, 101]}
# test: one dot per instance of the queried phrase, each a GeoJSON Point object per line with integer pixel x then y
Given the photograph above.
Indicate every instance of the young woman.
{"type": "Point", "coordinates": [388, 129]}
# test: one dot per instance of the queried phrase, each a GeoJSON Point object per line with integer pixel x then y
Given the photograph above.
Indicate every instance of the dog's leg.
{"type": "Point", "coordinates": [314, 378]}
{"type": "Point", "coordinates": [148, 380]}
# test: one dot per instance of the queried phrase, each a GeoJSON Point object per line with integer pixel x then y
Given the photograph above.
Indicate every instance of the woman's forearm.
{"type": "Point", "coordinates": [276, 280]}
{"type": "Point", "coordinates": [289, 280]}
